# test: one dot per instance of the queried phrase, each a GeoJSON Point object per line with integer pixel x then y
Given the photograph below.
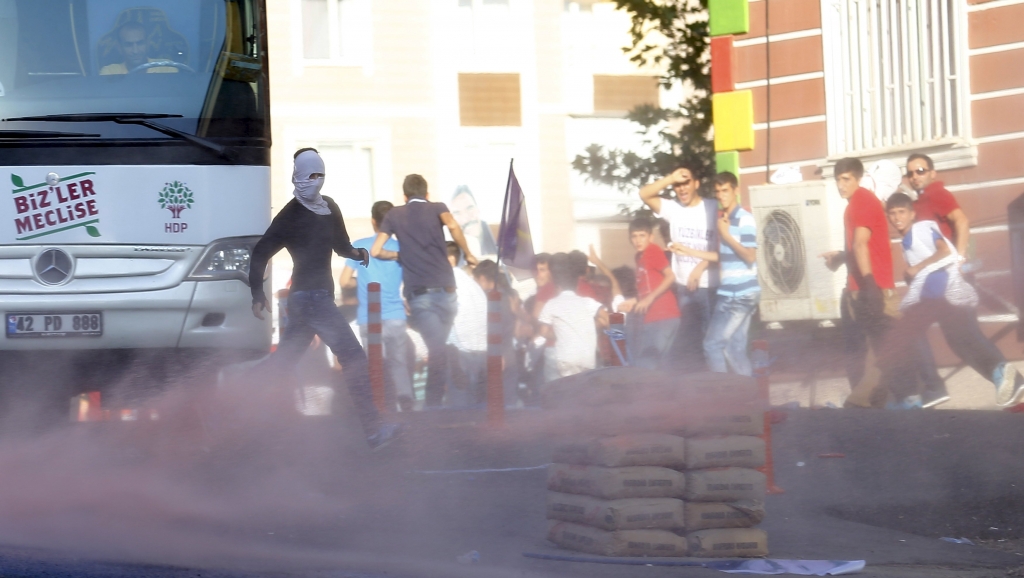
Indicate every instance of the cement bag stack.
{"type": "Point", "coordinates": [662, 494]}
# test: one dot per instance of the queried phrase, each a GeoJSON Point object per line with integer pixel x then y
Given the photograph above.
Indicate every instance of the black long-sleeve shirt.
{"type": "Point", "coordinates": [309, 239]}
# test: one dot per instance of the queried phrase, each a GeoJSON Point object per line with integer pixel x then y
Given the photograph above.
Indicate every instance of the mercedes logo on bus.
{"type": "Point", "coordinates": [53, 267]}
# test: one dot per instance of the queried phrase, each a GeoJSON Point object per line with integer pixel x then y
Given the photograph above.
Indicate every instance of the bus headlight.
{"type": "Point", "coordinates": [225, 259]}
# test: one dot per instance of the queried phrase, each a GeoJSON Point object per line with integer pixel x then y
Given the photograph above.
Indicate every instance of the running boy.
{"type": "Point", "coordinates": [937, 293]}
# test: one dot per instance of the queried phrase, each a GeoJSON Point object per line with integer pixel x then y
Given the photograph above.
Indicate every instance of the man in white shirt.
{"type": "Point", "coordinates": [692, 225]}
{"type": "Point", "coordinates": [468, 339]}
{"type": "Point", "coordinates": [571, 320]}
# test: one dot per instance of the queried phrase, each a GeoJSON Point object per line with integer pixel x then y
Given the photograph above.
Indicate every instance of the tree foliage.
{"type": "Point", "coordinates": [673, 35]}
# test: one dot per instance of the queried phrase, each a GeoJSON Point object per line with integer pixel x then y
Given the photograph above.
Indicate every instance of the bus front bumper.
{"type": "Point", "coordinates": [193, 315]}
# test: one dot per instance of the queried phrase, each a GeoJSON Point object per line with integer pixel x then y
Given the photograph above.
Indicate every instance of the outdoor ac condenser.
{"type": "Point", "coordinates": [796, 223]}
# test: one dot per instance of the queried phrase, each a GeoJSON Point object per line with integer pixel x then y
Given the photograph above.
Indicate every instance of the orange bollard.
{"type": "Point", "coordinates": [761, 361]}
{"type": "Point", "coordinates": [375, 346]}
{"type": "Point", "coordinates": [94, 411]}
{"type": "Point", "coordinates": [495, 386]}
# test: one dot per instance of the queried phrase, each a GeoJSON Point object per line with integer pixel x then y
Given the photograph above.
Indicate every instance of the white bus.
{"type": "Point", "coordinates": [134, 174]}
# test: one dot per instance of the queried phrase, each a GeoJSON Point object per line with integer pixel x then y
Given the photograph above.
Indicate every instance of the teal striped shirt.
{"type": "Point", "coordinates": [739, 278]}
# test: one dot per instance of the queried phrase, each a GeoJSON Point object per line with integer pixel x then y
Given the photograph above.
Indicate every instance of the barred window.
{"type": "Point", "coordinates": [895, 73]}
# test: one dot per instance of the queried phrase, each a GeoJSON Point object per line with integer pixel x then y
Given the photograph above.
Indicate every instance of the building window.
{"type": "Point", "coordinates": [349, 176]}
{"type": "Point", "coordinates": [335, 31]}
{"type": "Point", "coordinates": [895, 73]}
{"type": "Point", "coordinates": [489, 100]}
{"type": "Point", "coordinates": [624, 93]}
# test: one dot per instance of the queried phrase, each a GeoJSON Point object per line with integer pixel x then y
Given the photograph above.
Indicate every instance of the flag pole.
{"type": "Point", "coordinates": [504, 209]}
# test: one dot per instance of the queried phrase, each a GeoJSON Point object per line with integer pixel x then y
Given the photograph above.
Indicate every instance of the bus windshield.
{"type": "Point", "coordinates": [198, 60]}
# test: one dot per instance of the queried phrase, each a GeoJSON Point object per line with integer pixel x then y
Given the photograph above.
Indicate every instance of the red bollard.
{"type": "Point", "coordinates": [761, 361]}
{"type": "Point", "coordinates": [495, 386]}
{"type": "Point", "coordinates": [375, 346]}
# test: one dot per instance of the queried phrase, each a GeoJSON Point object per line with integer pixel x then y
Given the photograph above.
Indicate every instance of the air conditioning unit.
{"type": "Point", "coordinates": [796, 223]}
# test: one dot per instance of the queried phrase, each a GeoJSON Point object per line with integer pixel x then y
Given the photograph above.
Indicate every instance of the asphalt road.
{"type": "Point", "coordinates": [233, 484]}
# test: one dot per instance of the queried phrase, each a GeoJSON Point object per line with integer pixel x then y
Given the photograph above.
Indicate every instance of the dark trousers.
{"type": "Point", "coordinates": [927, 369]}
{"type": "Point", "coordinates": [695, 312]}
{"type": "Point", "coordinates": [866, 332]}
{"type": "Point", "coordinates": [313, 313]}
{"type": "Point", "coordinates": [959, 326]}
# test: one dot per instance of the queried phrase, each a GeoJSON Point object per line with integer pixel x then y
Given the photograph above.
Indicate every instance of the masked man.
{"type": "Point", "coordinates": [310, 226]}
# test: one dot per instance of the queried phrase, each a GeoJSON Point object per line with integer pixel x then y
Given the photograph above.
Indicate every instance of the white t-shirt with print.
{"type": "Point", "coordinates": [940, 280]}
{"type": "Point", "coordinates": [572, 319]}
{"type": "Point", "coordinates": [688, 226]}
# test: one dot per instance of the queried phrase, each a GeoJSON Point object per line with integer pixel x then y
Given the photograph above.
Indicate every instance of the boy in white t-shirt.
{"type": "Point", "coordinates": [693, 227]}
{"type": "Point", "coordinates": [937, 293]}
{"type": "Point", "coordinates": [571, 320]}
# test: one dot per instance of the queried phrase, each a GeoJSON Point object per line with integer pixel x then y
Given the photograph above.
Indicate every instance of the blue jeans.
{"type": "Point", "coordinates": [726, 339]}
{"type": "Point", "coordinates": [397, 372]}
{"type": "Point", "coordinates": [695, 309]}
{"type": "Point", "coordinates": [653, 342]}
{"type": "Point", "coordinates": [314, 313]}
{"type": "Point", "coordinates": [432, 315]}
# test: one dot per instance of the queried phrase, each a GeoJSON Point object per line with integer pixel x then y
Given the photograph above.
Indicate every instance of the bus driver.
{"type": "Point", "coordinates": [131, 38]}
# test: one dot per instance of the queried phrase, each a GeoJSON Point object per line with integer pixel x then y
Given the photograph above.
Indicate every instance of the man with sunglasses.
{"type": "Point", "coordinates": [935, 203]}
{"type": "Point", "coordinates": [694, 235]}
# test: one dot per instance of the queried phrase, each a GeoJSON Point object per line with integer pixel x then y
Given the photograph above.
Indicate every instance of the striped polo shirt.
{"type": "Point", "coordinates": [738, 278]}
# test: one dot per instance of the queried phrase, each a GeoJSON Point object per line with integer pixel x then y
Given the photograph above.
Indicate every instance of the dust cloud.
{"type": "Point", "coordinates": [228, 474]}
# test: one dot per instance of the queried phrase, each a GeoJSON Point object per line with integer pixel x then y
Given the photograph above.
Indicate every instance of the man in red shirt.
{"type": "Point", "coordinates": [935, 203]}
{"type": "Point", "coordinates": [870, 301]}
{"type": "Point", "coordinates": [655, 304]}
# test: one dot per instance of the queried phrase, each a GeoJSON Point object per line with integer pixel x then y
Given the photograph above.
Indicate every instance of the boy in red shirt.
{"type": "Point", "coordinates": [655, 305]}
{"type": "Point", "coordinates": [870, 302]}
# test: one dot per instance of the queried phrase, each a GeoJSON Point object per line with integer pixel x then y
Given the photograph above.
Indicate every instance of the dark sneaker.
{"type": "Point", "coordinates": [386, 434]}
{"type": "Point", "coordinates": [1009, 385]}
{"type": "Point", "coordinates": [931, 399]}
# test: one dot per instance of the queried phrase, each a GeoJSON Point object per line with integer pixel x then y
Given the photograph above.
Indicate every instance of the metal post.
{"type": "Point", "coordinates": [762, 363]}
{"type": "Point", "coordinates": [375, 346]}
{"type": "Point", "coordinates": [495, 388]}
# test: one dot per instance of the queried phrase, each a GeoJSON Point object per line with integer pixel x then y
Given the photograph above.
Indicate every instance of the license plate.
{"type": "Point", "coordinates": [88, 324]}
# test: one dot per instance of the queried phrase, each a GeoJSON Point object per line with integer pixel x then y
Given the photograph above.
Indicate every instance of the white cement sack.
{"type": "Point", "coordinates": [725, 451]}
{"type": "Point", "coordinates": [625, 514]}
{"type": "Point", "coordinates": [655, 543]}
{"type": "Point", "coordinates": [740, 419]}
{"type": "Point", "coordinates": [709, 515]}
{"type": "Point", "coordinates": [724, 485]}
{"type": "Point", "coordinates": [605, 386]}
{"type": "Point", "coordinates": [626, 450]}
{"type": "Point", "coordinates": [728, 543]}
{"type": "Point", "coordinates": [721, 387]}
{"type": "Point", "coordinates": [616, 483]}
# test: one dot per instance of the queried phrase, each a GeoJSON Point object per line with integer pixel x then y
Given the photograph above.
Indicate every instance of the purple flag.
{"type": "Point", "coordinates": [515, 244]}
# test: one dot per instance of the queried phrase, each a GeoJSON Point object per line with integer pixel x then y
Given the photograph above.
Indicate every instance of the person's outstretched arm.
{"type": "Point", "coordinates": [650, 193]}
{"type": "Point", "coordinates": [269, 244]}
{"type": "Point", "coordinates": [342, 243]}
{"type": "Point", "coordinates": [460, 239]}
{"type": "Point", "coordinates": [616, 287]}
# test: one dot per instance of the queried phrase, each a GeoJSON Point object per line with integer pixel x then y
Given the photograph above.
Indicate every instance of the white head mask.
{"type": "Point", "coordinates": [883, 179]}
{"type": "Point", "coordinates": [307, 190]}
